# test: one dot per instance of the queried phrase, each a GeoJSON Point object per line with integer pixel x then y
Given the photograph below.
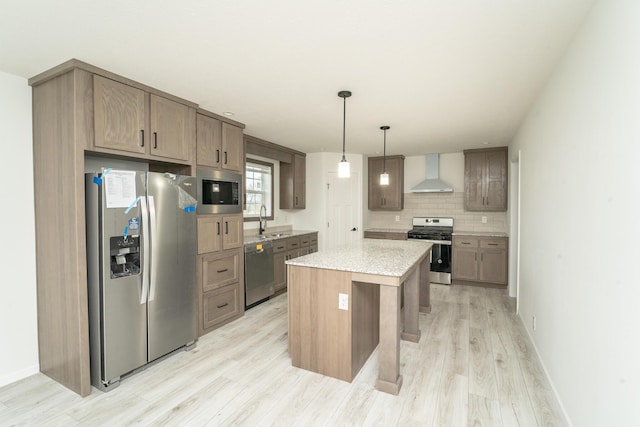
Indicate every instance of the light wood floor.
{"type": "Point", "coordinates": [474, 366]}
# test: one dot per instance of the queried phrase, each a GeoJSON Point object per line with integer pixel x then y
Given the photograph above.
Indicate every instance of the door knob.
{"type": "Point", "coordinates": [354, 229]}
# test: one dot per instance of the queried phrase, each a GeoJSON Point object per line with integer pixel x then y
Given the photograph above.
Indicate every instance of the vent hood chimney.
{"type": "Point", "coordinates": [432, 183]}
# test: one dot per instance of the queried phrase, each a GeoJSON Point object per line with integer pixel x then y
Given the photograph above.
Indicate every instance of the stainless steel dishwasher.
{"type": "Point", "coordinates": [258, 273]}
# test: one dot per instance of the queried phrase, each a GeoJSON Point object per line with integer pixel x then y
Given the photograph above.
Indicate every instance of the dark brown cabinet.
{"type": "Point", "coordinates": [386, 197]}
{"type": "Point", "coordinates": [485, 179]}
{"type": "Point", "coordinates": [482, 260]}
{"type": "Point", "coordinates": [293, 183]}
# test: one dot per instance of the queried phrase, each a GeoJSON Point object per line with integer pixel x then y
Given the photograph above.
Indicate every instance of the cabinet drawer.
{"type": "Point", "coordinates": [465, 242]}
{"type": "Point", "coordinates": [293, 243]}
{"type": "Point", "coordinates": [314, 240]}
{"type": "Point", "coordinates": [220, 305]}
{"type": "Point", "coordinates": [305, 240]}
{"type": "Point", "coordinates": [279, 245]}
{"type": "Point", "coordinates": [493, 243]}
{"type": "Point", "coordinates": [219, 269]}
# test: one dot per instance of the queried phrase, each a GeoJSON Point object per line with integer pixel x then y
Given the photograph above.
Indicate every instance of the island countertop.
{"type": "Point", "coordinates": [368, 256]}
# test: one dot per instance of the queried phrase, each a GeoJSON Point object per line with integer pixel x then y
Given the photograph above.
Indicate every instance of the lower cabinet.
{"type": "Point", "coordinates": [221, 289]}
{"type": "Point", "coordinates": [289, 248]}
{"type": "Point", "coordinates": [220, 306]}
{"type": "Point", "coordinates": [480, 260]}
{"type": "Point", "coordinates": [279, 267]}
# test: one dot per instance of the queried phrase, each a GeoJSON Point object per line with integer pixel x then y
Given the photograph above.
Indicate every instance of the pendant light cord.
{"type": "Point", "coordinates": [344, 125]}
{"type": "Point", "coordinates": [384, 153]}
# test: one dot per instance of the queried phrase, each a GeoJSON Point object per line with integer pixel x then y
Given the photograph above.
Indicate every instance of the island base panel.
{"type": "Point", "coordinates": [411, 329]}
{"type": "Point", "coordinates": [390, 328]}
{"type": "Point", "coordinates": [389, 387]}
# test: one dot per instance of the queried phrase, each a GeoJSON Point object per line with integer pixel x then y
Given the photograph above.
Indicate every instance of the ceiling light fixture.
{"type": "Point", "coordinates": [384, 176]}
{"type": "Point", "coordinates": [344, 170]}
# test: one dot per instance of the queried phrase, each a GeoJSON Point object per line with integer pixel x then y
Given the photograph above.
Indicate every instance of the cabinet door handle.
{"type": "Point", "coordinates": [280, 247]}
{"type": "Point", "coordinates": [225, 157]}
{"type": "Point", "coordinates": [222, 305]}
{"type": "Point", "coordinates": [218, 227]}
{"type": "Point", "coordinates": [223, 270]}
{"type": "Point", "coordinates": [226, 227]}
{"type": "Point", "coordinates": [492, 244]}
{"type": "Point", "coordinates": [155, 140]}
{"type": "Point", "coordinates": [466, 243]}
{"type": "Point", "coordinates": [217, 156]}
{"type": "Point", "coordinates": [296, 201]}
{"type": "Point", "coordinates": [141, 137]}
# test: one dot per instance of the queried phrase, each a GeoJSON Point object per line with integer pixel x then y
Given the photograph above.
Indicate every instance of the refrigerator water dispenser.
{"type": "Point", "coordinates": [125, 256]}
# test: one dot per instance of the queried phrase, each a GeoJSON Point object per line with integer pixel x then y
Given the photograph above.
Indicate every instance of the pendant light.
{"type": "Point", "coordinates": [344, 170]}
{"type": "Point", "coordinates": [384, 176]}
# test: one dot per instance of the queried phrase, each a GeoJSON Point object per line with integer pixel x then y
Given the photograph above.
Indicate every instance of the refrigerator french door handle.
{"type": "Point", "coordinates": [153, 238]}
{"type": "Point", "coordinates": [145, 250]}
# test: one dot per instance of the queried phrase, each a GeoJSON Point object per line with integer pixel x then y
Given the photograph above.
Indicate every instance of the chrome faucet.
{"type": "Point", "coordinates": [261, 229]}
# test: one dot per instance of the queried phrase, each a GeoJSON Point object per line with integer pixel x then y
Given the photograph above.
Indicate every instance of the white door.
{"type": "Point", "coordinates": [344, 205]}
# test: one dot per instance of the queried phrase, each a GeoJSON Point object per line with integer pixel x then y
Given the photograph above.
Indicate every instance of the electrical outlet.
{"type": "Point", "coordinates": [343, 301]}
{"type": "Point", "coordinates": [397, 218]}
{"type": "Point", "coordinates": [484, 219]}
{"type": "Point", "coordinates": [534, 323]}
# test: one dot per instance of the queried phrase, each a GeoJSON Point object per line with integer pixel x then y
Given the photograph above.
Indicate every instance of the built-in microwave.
{"type": "Point", "coordinates": [219, 192]}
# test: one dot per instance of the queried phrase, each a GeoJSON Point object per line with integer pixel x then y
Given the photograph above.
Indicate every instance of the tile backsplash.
{"type": "Point", "coordinates": [440, 204]}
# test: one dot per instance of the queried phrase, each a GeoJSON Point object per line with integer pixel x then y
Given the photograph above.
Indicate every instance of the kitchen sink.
{"type": "Point", "coordinates": [280, 234]}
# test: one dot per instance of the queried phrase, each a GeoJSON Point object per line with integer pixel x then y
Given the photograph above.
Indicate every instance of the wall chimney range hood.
{"type": "Point", "coordinates": [433, 183]}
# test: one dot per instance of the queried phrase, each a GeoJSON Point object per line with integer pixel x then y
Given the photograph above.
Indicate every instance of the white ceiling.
{"type": "Point", "coordinates": [446, 75]}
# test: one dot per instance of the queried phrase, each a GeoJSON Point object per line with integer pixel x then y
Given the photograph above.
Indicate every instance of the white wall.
{"type": "Point", "coordinates": [18, 313]}
{"type": "Point", "coordinates": [579, 220]}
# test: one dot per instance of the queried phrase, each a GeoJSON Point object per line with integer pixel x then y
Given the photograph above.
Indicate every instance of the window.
{"type": "Point", "coordinates": [259, 187]}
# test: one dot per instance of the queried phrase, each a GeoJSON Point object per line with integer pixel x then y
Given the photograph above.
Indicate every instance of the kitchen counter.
{"type": "Point", "coordinates": [368, 256]}
{"type": "Point", "coordinates": [388, 230]}
{"type": "Point", "coordinates": [269, 236]}
{"type": "Point", "coordinates": [345, 302]}
{"type": "Point", "coordinates": [481, 233]}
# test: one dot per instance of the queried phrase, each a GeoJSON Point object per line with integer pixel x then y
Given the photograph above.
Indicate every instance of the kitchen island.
{"type": "Point", "coordinates": [346, 301]}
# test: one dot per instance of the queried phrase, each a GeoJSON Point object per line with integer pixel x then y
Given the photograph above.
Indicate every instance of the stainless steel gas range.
{"type": "Point", "coordinates": [437, 231]}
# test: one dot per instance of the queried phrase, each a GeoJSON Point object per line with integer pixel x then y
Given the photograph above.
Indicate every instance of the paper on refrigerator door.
{"type": "Point", "coordinates": [120, 188]}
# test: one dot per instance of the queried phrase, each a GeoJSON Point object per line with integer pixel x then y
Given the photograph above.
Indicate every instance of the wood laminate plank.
{"type": "Point", "coordinates": [241, 374]}
{"type": "Point", "coordinates": [482, 375]}
{"type": "Point", "coordinates": [483, 412]}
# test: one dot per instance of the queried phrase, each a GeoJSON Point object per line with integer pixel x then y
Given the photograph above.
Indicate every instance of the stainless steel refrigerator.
{"type": "Point", "coordinates": [141, 267]}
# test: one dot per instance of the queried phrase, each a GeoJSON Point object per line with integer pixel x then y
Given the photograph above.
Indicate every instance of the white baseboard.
{"type": "Point", "coordinates": [17, 376]}
{"type": "Point", "coordinates": [546, 374]}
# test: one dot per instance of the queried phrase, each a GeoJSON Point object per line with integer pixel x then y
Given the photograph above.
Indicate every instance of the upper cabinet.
{"type": "Point", "coordinates": [220, 145]}
{"type": "Point", "coordinates": [120, 116]}
{"type": "Point", "coordinates": [172, 129]}
{"type": "Point", "coordinates": [132, 120]}
{"type": "Point", "coordinates": [386, 197]}
{"type": "Point", "coordinates": [293, 183]}
{"type": "Point", "coordinates": [485, 179]}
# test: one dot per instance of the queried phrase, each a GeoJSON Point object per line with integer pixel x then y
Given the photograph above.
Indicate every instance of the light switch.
{"type": "Point", "coordinates": [343, 301]}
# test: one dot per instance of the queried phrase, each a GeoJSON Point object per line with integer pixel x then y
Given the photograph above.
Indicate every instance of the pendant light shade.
{"type": "Point", "coordinates": [384, 176]}
{"type": "Point", "coordinates": [344, 170]}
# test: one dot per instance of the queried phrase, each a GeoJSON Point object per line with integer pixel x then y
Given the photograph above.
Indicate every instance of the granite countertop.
{"type": "Point", "coordinates": [370, 256]}
{"type": "Point", "coordinates": [269, 236]}
{"type": "Point", "coordinates": [388, 230]}
{"type": "Point", "coordinates": [481, 233]}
